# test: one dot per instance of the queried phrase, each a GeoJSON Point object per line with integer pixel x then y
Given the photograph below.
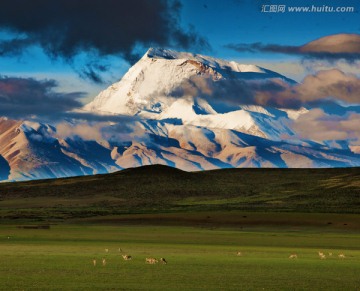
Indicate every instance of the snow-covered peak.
{"type": "Point", "coordinates": [160, 53]}
{"type": "Point", "coordinates": [146, 90]}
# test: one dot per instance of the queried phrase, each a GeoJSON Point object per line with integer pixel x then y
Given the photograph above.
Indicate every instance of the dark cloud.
{"type": "Point", "coordinates": [260, 47]}
{"type": "Point", "coordinates": [109, 27]}
{"type": "Point", "coordinates": [92, 71]}
{"type": "Point", "coordinates": [237, 91]}
{"type": "Point", "coordinates": [27, 98]}
{"type": "Point", "coordinates": [22, 97]}
{"type": "Point", "coordinates": [333, 47]}
{"type": "Point", "coordinates": [14, 46]}
{"type": "Point", "coordinates": [330, 84]}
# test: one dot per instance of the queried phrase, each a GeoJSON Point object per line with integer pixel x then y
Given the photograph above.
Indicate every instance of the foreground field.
{"type": "Point", "coordinates": [61, 258]}
{"type": "Point", "coordinates": [52, 230]}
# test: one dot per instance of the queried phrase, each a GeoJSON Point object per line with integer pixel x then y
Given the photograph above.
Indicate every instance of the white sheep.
{"type": "Point", "coordinates": [341, 256]}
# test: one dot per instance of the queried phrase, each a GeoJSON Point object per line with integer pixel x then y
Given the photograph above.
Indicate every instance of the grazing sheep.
{"type": "Point", "coordinates": [151, 260]}
{"type": "Point", "coordinates": [293, 256]}
{"type": "Point", "coordinates": [126, 257]}
{"type": "Point", "coordinates": [104, 262]}
{"type": "Point", "coordinates": [239, 254]}
{"type": "Point", "coordinates": [106, 250]}
{"type": "Point", "coordinates": [322, 255]}
{"type": "Point", "coordinates": [341, 256]}
{"type": "Point", "coordinates": [94, 262]}
{"type": "Point", "coordinates": [163, 261]}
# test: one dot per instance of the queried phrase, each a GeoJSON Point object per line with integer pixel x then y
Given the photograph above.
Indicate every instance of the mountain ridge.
{"type": "Point", "coordinates": [190, 133]}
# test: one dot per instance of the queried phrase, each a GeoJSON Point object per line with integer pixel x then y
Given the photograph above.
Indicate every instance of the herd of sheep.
{"type": "Point", "coordinates": [152, 261]}
{"type": "Point", "coordinates": [322, 255]}
{"type": "Point", "coordinates": [128, 258]}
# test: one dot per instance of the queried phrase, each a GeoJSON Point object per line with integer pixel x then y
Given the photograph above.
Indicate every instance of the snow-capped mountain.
{"type": "Point", "coordinates": [187, 132]}
{"type": "Point", "coordinates": [145, 90]}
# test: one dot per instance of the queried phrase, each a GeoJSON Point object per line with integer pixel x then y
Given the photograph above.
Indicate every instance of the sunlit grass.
{"type": "Point", "coordinates": [198, 259]}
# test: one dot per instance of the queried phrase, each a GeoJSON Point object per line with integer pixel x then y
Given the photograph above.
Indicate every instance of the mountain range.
{"type": "Point", "coordinates": [158, 118]}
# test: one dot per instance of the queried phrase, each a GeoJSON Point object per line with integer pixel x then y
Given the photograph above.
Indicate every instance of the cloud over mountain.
{"type": "Point", "coordinates": [330, 84]}
{"type": "Point", "coordinates": [330, 48]}
{"type": "Point", "coordinates": [318, 126]}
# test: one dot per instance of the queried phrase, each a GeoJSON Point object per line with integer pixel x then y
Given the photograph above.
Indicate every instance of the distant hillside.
{"type": "Point", "coordinates": [158, 188]}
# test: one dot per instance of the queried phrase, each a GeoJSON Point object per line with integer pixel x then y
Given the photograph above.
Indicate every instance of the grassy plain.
{"type": "Point", "coordinates": [51, 230]}
{"type": "Point", "coordinates": [60, 258]}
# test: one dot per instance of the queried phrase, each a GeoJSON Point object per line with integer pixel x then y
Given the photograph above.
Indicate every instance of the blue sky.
{"type": "Point", "coordinates": [242, 21]}
{"type": "Point", "coordinates": [221, 23]}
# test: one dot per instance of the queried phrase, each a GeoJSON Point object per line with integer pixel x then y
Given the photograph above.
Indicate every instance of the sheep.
{"type": "Point", "coordinates": [330, 254]}
{"type": "Point", "coordinates": [239, 254]}
{"type": "Point", "coordinates": [106, 250]}
{"type": "Point", "coordinates": [341, 256]}
{"type": "Point", "coordinates": [151, 260]}
{"type": "Point", "coordinates": [126, 257]}
{"type": "Point", "coordinates": [163, 261]}
{"type": "Point", "coordinates": [293, 256]}
{"type": "Point", "coordinates": [322, 255]}
{"type": "Point", "coordinates": [94, 262]}
{"type": "Point", "coordinates": [104, 262]}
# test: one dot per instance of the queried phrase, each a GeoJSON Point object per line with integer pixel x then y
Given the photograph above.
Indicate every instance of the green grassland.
{"type": "Point", "coordinates": [60, 258]}
{"type": "Point", "coordinates": [51, 230]}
